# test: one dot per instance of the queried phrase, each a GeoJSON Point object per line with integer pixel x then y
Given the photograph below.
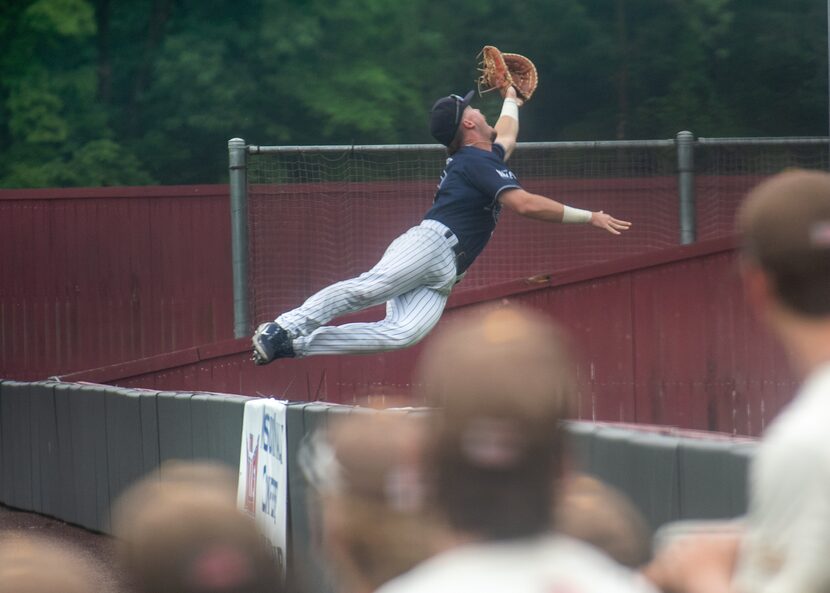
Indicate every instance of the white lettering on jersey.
{"type": "Point", "coordinates": [506, 174]}
{"type": "Point", "coordinates": [444, 173]}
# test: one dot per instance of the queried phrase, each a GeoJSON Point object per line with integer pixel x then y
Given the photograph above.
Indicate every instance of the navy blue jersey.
{"type": "Point", "coordinates": [467, 198]}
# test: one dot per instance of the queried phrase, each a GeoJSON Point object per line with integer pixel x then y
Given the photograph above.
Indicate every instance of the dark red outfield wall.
{"type": "Point", "coordinates": [90, 277]}
{"type": "Point", "coordinates": [97, 276]}
{"type": "Point", "coordinates": [662, 338]}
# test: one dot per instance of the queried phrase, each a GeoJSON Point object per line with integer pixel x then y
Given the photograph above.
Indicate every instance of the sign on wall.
{"type": "Point", "coordinates": [262, 491]}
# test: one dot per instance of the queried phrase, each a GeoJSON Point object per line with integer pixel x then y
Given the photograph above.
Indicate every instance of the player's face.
{"type": "Point", "coordinates": [480, 122]}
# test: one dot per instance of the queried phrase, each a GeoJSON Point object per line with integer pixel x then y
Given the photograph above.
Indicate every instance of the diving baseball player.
{"type": "Point", "coordinates": [416, 274]}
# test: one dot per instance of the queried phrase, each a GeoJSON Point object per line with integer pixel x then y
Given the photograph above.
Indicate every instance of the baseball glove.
{"type": "Point", "coordinates": [502, 70]}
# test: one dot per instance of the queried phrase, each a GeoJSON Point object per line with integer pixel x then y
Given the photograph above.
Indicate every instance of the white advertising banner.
{"type": "Point", "coordinates": [263, 472]}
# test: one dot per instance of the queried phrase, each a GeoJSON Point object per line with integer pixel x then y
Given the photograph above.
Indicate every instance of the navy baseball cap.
{"type": "Point", "coordinates": [446, 115]}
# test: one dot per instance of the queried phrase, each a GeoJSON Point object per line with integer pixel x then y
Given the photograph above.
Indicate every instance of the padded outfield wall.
{"type": "Point", "coordinates": [69, 450]}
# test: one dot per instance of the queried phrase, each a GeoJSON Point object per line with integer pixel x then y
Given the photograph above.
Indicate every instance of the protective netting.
{"type": "Point", "coordinates": [726, 169]}
{"type": "Point", "coordinates": [318, 215]}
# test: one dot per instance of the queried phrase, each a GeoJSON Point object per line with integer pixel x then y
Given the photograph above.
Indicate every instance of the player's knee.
{"type": "Point", "coordinates": [356, 296]}
{"type": "Point", "coordinates": [365, 292]}
{"type": "Point", "coordinates": [406, 336]}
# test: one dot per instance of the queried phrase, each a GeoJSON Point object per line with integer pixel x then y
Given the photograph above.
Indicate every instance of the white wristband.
{"type": "Point", "coordinates": [510, 109]}
{"type": "Point", "coordinates": [576, 216]}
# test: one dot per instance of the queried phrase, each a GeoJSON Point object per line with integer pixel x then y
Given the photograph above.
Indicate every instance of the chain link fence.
{"type": "Point", "coordinates": [305, 217]}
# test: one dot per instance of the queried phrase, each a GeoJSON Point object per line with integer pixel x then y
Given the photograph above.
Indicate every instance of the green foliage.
{"type": "Point", "coordinates": [102, 163]}
{"type": "Point", "coordinates": [63, 18]}
{"type": "Point", "coordinates": [110, 92]}
{"type": "Point", "coordinates": [55, 131]}
{"type": "Point", "coordinates": [96, 163]}
{"type": "Point", "coordinates": [34, 115]}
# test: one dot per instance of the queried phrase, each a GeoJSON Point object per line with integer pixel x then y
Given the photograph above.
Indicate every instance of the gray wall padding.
{"type": "Point", "coordinates": [739, 460]}
{"type": "Point", "coordinates": [308, 571]}
{"type": "Point", "coordinates": [668, 477]}
{"type": "Point", "coordinates": [69, 450]}
{"type": "Point", "coordinates": [612, 457]}
{"type": "Point", "coordinates": [581, 442]}
{"type": "Point", "coordinates": [299, 540]}
{"type": "Point", "coordinates": [125, 455]}
{"type": "Point", "coordinates": [46, 486]}
{"type": "Point", "coordinates": [149, 418]}
{"type": "Point", "coordinates": [712, 480]}
{"type": "Point", "coordinates": [67, 505]}
{"type": "Point", "coordinates": [15, 412]}
{"type": "Point", "coordinates": [175, 425]}
{"type": "Point", "coordinates": [641, 465]}
{"type": "Point", "coordinates": [5, 451]}
{"type": "Point", "coordinates": [216, 427]}
{"type": "Point", "coordinates": [89, 416]}
{"type": "Point", "coordinates": [653, 477]}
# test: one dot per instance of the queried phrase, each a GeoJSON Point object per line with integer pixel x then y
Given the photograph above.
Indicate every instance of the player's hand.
{"type": "Point", "coordinates": [510, 93]}
{"type": "Point", "coordinates": [601, 220]}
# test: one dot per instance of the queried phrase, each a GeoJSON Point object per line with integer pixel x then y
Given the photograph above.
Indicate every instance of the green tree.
{"type": "Point", "coordinates": [48, 95]}
{"type": "Point", "coordinates": [775, 68]}
{"type": "Point", "coordinates": [96, 92]}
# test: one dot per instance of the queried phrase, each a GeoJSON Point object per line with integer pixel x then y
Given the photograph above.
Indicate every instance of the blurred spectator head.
{"type": "Point", "coordinates": [785, 226]}
{"type": "Point", "coordinates": [180, 532]}
{"type": "Point", "coordinates": [366, 468]}
{"type": "Point", "coordinates": [34, 564]}
{"type": "Point", "coordinates": [598, 514]}
{"type": "Point", "coordinates": [502, 381]}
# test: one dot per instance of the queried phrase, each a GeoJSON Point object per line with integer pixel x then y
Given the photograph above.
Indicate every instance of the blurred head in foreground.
{"type": "Point", "coordinates": [502, 382]}
{"type": "Point", "coordinates": [182, 532]}
{"type": "Point", "coordinates": [598, 514]}
{"type": "Point", "coordinates": [785, 226]}
{"type": "Point", "coordinates": [30, 564]}
{"type": "Point", "coordinates": [366, 468]}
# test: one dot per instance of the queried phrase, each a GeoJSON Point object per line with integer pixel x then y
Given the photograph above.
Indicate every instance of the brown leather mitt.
{"type": "Point", "coordinates": [501, 70]}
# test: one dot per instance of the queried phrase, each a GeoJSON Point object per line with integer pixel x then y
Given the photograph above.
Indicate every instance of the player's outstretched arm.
{"type": "Point", "coordinates": [507, 126]}
{"type": "Point", "coordinates": [548, 210]}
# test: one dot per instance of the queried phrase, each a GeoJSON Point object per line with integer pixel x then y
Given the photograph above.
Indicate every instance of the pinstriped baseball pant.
{"type": "Point", "coordinates": [414, 278]}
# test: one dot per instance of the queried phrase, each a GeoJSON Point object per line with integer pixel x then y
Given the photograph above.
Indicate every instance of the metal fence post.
{"type": "Point", "coordinates": [686, 186]}
{"type": "Point", "coordinates": [238, 178]}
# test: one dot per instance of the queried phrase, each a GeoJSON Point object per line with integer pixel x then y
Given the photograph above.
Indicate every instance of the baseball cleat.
{"type": "Point", "coordinates": [270, 343]}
